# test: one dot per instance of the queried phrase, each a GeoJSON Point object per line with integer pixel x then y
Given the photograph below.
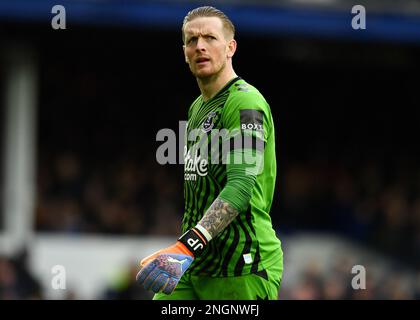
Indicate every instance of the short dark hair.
{"type": "Point", "coordinates": [208, 11]}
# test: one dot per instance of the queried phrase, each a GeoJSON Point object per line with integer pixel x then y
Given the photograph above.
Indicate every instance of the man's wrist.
{"type": "Point", "coordinates": [204, 231]}
{"type": "Point", "coordinates": [194, 240]}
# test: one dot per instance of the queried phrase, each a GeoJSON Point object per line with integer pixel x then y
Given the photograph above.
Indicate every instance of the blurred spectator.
{"type": "Point", "coordinates": [16, 281]}
{"type": "Point", "coordinates": [310, 284]}
{"type": "Point", "coordinates": [8, 280]}
{"type": "Point", "coordinates": [417, 287]}
{"type": "Point", "coordinates": [124, 286]}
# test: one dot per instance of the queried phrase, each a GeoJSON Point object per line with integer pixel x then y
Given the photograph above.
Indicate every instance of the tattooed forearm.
{"type": "Point", "coordinates": [218, 216]}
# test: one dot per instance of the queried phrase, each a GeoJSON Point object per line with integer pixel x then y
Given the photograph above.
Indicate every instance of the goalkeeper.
{"type": "Point", "coordinates": [228, 249]}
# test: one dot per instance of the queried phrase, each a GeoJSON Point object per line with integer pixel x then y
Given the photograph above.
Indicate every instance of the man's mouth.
{"type": "Point", "coordinates": [202, 60]}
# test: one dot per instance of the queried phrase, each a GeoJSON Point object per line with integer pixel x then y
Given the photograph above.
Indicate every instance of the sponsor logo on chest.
{"type": "Point", "coordinates": [194, 165]}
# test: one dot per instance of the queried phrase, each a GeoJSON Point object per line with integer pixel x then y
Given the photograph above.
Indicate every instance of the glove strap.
{"type": "Point", "coordinates": [194, 240]}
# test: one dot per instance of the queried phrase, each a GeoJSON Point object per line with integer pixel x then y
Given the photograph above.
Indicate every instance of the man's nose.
{"type": "Point", "coordinates": [201, 44]}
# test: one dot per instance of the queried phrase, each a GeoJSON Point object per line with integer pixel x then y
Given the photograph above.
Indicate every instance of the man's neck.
{"type": "Point", "coordinates": [209, 87]}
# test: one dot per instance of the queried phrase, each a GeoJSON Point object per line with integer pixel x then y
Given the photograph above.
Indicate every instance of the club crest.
{"type": "Point", "coordinates": [208, 124]}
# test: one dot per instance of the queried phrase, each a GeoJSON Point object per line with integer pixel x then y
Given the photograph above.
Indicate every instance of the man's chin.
{"type": "Point", "coordinates": [203, 74]}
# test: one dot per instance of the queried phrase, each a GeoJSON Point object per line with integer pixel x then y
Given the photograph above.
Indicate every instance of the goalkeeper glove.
{"type": "Point", "coordinates": [162, 270]}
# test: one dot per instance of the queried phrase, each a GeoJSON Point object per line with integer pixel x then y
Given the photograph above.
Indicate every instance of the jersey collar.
{"type": "Point", "coordinates": [225, 88]}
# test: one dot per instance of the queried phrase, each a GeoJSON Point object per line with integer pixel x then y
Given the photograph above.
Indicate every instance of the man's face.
{"type": "Point", "coordinates": [206, 48]}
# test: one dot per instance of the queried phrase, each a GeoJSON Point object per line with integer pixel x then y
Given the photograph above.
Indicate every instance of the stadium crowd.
{"type": "Point", "coordinates": [124, 198]}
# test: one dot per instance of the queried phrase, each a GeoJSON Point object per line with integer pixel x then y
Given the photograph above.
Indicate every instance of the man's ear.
{"type": "Point", "coordinates": [231, 48]}
{"type": "Point", "coordinates": [185, 55]}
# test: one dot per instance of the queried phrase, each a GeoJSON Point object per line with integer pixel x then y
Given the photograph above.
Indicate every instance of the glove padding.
{"type": "Point", "coordinates": [162, 270]}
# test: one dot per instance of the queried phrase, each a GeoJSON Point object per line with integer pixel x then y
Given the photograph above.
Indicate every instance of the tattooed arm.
{"type": "Point", "coordinates": [217, 217]}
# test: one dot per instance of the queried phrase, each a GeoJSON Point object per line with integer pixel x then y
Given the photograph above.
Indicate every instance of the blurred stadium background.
{"type": "Point", "coordinates": [80, 109]}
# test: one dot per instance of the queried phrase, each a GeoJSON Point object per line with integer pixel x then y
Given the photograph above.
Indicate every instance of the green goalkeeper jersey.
{"type": "Point", "coordinates": [248, 244]}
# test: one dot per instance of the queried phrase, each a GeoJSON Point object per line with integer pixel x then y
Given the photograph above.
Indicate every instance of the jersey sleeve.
{"type": "Point", "coordinates": [248, 114]}
{"type": "Point", "coordinates": [247, 120]}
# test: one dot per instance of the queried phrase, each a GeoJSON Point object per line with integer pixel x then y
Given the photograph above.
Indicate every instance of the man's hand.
{"type": "Point", "coordinates": [162, 270]}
